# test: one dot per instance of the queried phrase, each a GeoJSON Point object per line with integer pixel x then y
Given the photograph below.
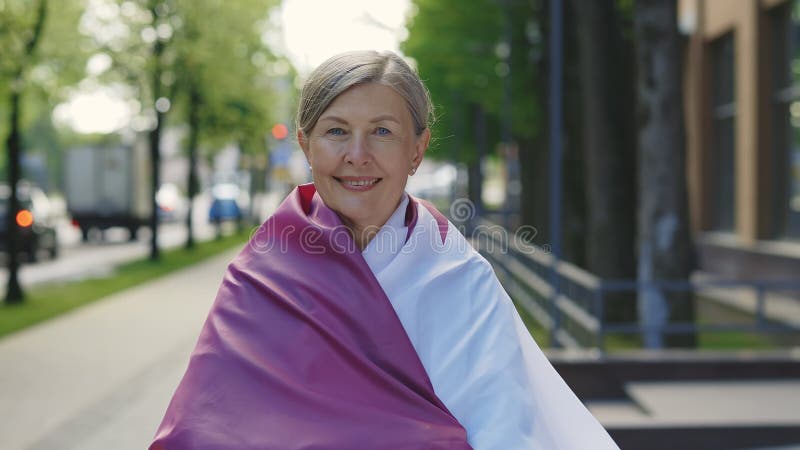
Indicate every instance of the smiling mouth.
{"type": "Point", "coordinates": [359, 183]}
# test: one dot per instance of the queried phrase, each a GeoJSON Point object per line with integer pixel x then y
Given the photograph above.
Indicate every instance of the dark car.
{"type": "Point", "coordinates": [36, 231]}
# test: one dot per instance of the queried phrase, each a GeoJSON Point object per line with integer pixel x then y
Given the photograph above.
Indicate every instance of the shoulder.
{"type": "Point", "coordinates": [434, 237]}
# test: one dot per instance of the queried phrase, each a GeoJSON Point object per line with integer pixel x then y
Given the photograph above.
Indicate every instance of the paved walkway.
{"type": "Point", "coordinates": [101, 376]}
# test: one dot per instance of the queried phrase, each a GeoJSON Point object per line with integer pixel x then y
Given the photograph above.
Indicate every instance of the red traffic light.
{"type": "Point", "coordinates": [279, 131]}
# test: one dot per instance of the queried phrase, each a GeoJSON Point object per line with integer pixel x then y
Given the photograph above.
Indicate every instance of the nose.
{"type": "Point", "coordinates": [358, 153]}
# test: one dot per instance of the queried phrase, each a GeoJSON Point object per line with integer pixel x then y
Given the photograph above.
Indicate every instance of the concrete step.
{"type": "Point", "coordinates": [704, 415]}
{"type": "Point", "coordinates": [706, 403]}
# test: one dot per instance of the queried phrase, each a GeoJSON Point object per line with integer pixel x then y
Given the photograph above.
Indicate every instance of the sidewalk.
{"type": "Point", "coordinates": [101, 376]}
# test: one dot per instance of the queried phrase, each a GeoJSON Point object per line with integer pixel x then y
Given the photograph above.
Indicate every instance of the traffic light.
{"type": "Point", "coordinates": [279, 131]}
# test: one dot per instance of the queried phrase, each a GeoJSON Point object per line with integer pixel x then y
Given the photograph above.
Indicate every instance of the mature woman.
{"type": "Point", "coordinates": [358, 317]}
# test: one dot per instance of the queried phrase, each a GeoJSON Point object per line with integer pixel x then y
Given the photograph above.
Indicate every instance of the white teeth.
{"type": "Point", "coordinates": [361, 183]}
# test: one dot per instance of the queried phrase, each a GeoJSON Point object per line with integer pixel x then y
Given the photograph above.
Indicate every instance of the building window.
{"type": "Point", "coordinates": [723, 116]}
{"type": "Point", "coordinates": [786, 107]}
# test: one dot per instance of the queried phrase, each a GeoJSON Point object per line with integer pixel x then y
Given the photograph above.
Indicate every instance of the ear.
{"type": "Point", "coordinates": [421, 146]}
{"type": "Point", "coordinates": [301, 139]}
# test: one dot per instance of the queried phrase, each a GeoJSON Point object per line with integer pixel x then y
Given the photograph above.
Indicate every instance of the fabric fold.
{"type": "Point", "coordinates": [302, 349]}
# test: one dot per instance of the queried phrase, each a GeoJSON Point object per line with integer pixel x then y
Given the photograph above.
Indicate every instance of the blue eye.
{"type": "Point", "coordinates": [381, 131]}
{"type": "Point", "coordinates": [336, 132]}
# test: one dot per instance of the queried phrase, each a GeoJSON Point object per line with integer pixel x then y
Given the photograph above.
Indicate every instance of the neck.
{"type": "Point", "coordinates": [363, 235]}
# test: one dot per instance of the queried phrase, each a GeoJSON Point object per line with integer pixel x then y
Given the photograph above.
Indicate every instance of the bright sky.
{"type": "Point", "coordinates": [97, 110]}
{"type": "Point", "coordinates": [313, 30]}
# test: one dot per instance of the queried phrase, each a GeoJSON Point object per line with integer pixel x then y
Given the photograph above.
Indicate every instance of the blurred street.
{"type": "Point", "coordinates": [102, 376]}
{"type": "Point", "coordinates": [81, 260]}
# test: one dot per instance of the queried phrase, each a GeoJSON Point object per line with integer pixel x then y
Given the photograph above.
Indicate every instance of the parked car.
{"type": "Point", "coordinates": [226, 203]}
{"type": "Point", "coordinates": [172, 204]}
{"type": "Point", "coordinates": [37, 231]}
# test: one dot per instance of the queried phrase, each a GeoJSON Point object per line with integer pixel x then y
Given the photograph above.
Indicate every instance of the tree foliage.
{"type": "Point", "coordinates": [31, 57]}
{"type": "Point", "coordinates": [465, 54]}
{"type": "Point", "coordinates": [214, 45]}
{"type": "Point", "coordinates": [200, 62]}
{"type": "Point", "coordinates": [455, 55]}
{"type": "Point", "coordinates": [468, 57]}
{"type": "Point", "coordinates": [43, 75]}
{"type": "Point", "coordinates": [219, 49]}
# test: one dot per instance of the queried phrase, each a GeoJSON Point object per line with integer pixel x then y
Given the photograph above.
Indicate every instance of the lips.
{"type": "Point", "coordinates": [358, 183]}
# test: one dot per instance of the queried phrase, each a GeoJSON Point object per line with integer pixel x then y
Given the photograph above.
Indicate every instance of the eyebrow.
{"type": "Point", "coordinates": [380, 118]}
{"type": "Point", "coordinates": [385, 117]}
{"type": "Point", "coordinates": [333, 118]}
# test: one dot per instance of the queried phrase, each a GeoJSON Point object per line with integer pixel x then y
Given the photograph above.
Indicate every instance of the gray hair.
{"type": "Point", "coordinates": [346, 70]}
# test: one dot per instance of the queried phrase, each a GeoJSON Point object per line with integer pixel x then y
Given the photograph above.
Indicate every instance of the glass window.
{"type": "Point", "coordinates": [786, 123]}
{"type": "Point", "coordinates": [723, 115]}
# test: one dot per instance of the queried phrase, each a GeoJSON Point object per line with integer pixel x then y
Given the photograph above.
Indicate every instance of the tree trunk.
{"type": "Point", "coordinates": [191, 185]}
{"type": "Point", "coordinates": [155, 147]}
{"type": "Point", "coordinates": [457, 118]}
{"type": "Point", "coordinates": [535, 189]}
{"type": "Point", "coordinates": [607, 85]}
{"type": "Point", "coordinates": [533, 153]}
{"type": "Point", "coordinates": [665, 247]}
{"type": "Point", "coordinates": [574, 208]}
{"type": "Point", "coordinates": [475, 171]}
{"type": "Point", "coordinates": [14, 292]}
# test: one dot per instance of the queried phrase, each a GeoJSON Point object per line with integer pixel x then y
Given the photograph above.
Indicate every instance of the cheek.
{"type": "Point", "coordinates": [399, 160]}
{"type": "Point", "coordinates": [321, 158]}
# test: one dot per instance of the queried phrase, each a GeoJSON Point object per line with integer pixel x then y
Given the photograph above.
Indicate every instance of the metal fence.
{"type": "Point", "coordinates": [576, 319]}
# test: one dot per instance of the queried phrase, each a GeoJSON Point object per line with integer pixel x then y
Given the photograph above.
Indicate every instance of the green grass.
{"type": "Point", "coordinates": [734, 340]}
{"type": "Point", "coordinates": [50, 300]}
{"type": "Point", "coordinates": [706, 341]}
{"type": "Point", "coordinates": [728, 340]}
{"type": "Point", "coordinates": [539, 333]}
{"type": "Point", "coordinates": [709, 312]}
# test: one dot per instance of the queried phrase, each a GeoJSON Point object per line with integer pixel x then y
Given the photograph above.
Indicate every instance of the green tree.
{"type": "Point", "coordinates": [224, 95]}
{"type": "Point", "coordinates": [40, 54]}
{"type": "Point", "coordinates": [198, 63]}
{"type": "Point", "coordinates": [455, 52]}
{"type": "Point", "coordinates": [136, 35]}
{"type": "Point", "coordinates": [468, 57]}
{"type": "Point", "coordinates": [462, 54]}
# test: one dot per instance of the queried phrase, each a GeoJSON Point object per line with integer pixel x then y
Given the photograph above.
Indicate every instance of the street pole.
{"type": "Point", "coordinates": [556, 127]}
{"type": "Point", "coordinates": [512, 165]}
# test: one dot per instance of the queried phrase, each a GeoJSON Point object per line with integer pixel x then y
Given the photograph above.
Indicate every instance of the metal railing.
{"type": "Point", "coordinates": [577, 318]}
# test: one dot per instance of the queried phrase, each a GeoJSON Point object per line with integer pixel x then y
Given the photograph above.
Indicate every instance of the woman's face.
{"type": "Point", "coordinates": [361, 151]}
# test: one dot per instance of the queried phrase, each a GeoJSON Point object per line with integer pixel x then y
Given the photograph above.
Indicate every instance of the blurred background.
{"type": "Point", "coordinates": [630, 167]}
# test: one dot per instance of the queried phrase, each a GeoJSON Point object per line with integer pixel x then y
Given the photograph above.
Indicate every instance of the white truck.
{"type": "Point", "coordinates": [108, 187]}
